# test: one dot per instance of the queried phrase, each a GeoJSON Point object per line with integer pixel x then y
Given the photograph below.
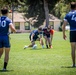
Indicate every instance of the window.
{"type": "Point", "coordinates": [27, 26]}
{"type": "Point", "coordinates": [17, 25]}
{"type": "Point", "coordinates": [52, 24]}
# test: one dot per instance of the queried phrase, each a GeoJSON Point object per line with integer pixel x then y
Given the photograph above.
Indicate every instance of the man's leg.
{"type": "Point", "coordinates": [6, 58]}
{"type": "Point", "coordinates": [1, 52]}
{"type": "Point", "coordinates": [46, 41]}
{"type": "Point", "coordinates": [32, 43]}
{"type": "Point", "coordinates": [49, 41]}
{"type": "Point", "coordinates": [73, 53]}
{"type": "Point", "coordinates": [41, 41]}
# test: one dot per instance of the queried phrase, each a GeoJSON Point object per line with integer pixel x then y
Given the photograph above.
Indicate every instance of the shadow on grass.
{"type": "Point", "coordinates": [36, 49]}
{"type": "Point", "coordinates": [6, 70]}
{"type": "Point", "coordinates": [68, 67]}
{"type": "Point", "coordinates": [40, 49]}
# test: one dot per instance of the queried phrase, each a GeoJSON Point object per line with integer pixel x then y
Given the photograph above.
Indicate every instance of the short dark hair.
{"type": "Point", "coordinates": [4, 10]}
{"type": "Point", "coordinates": [73, 5]}
{"type": "Point", "coordinates": [40, 28]}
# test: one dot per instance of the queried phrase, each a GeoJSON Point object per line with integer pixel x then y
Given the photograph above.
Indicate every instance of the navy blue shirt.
{"type": "Point", "coordinates": [46, 32]}
{"type": "Point", "coordinates": [71, 19]}
{"type": "Point", "coordinates": [35, 32]}
{"type": "Point", "coordinates": [4, 25]}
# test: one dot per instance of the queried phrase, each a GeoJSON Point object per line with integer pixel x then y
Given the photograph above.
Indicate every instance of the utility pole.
{"type": "Point", "coordinates": [12, 10]}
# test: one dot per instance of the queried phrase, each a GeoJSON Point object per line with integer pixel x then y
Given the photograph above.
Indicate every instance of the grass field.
{"type": "Point", "coordinates": [56, 61]}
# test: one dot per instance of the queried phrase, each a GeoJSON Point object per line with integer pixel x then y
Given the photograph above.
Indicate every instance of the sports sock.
{"type": "Point", "coordinates": [42, 46]}
{"type": "Point", "coordinates": [46, 46]}
{"type": "Point", "coordinates": [5, 65]}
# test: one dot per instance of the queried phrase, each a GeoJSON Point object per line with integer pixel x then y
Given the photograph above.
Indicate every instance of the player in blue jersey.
{"type": "Point", "coordinates": [5, 24]}
{"type": "Point", "coordinates": [71, 19]}
{"type": "Point", "coordinates": [34, 36]}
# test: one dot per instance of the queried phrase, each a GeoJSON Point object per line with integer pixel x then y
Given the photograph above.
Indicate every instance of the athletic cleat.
{"type": "Point", "coordinates": [42, 46]}
{"type": "Point", "coordinates": [25, 47]}
{"type": "Point", "coordinates": [74, 66]}
{"type": "Point", "coordinates": [4, 69]}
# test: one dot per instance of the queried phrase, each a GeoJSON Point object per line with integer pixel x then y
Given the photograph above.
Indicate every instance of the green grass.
{"type": "Point", "coordinates": [56, 61]}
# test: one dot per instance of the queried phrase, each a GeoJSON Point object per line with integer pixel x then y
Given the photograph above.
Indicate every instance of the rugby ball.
{"type": "Point", "coordinates": [35, 46]}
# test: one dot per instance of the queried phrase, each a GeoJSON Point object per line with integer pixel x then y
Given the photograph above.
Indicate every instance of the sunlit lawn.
{"type": "Point", "coordinates": [56, 61]}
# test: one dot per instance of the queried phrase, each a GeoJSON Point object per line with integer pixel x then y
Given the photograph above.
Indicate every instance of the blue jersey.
{"type": "Point", "coordinates": [4, 25]}
{"type": "Point", "coordinates": [35, 32]}
{"type": "Point", "coordinates": [71, 19]}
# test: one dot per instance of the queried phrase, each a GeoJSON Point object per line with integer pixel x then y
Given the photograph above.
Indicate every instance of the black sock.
{"type": "Point", "coordinates": [5, 65]}
{"type": "Point", "coordinates": [49, 45]}
{"type": "Point", "coordinates": [46, 46]}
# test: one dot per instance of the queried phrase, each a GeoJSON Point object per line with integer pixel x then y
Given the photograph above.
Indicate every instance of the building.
{"type": "Point", "coordinates": [23, 25]}
{"type": "Point", "coordinates": [19, 22]}
{"type": "Point", "coordinates": [54, 22]}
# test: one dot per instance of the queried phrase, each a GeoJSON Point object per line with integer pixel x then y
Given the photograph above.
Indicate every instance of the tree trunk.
{"type": "Point", "coordinates": [46, 13]}
{"type": "Point", "coordinates": [22, 3]}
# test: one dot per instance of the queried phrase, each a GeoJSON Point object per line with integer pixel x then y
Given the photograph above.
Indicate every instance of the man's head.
{"type": "Point", "coordinates": [39, 29]}
{"type": "Point", "coordinates": [49, 27]}
{"type": "Point", "coordinates": [4, 11]}
{"type": "Point", "coordinates": [73, 5]}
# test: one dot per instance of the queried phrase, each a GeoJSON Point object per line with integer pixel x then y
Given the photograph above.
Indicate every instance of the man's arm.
{"type": "Point", "coordinates": [63, 28]}
{"type": "Point", "coordinates": [32, 37]}
{"type": "Point", "coordinates": [41, 41]}
{"type": "Point", "coordinates": [12, 27]}
{"type": "Point", "coordinates": [51, 33]}
{"type": "Point", "coordinates": [40, 35]}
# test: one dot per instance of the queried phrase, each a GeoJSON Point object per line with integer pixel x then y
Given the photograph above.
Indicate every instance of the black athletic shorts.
{"type": "Point", "coordinates": [34, 38]}
{"type": "Point", "coordinates": [72, 36]}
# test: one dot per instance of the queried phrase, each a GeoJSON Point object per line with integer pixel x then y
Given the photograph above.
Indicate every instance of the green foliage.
{"type": "Point", "coordinates": [35, 8]}
{"type": "Point", "coordinates": [61, 8]}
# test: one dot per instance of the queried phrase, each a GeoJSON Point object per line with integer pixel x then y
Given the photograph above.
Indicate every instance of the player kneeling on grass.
{"type": "Point", "coordinates": [34, 36]}
{"type": "Point", "coordinates": [48, 35]}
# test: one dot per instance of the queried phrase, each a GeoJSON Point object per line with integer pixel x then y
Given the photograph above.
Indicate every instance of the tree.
{"type": "Point", "coordinates": [61, 8]}
{"type": "Point", "coordinates": [39, 9]}
{"type": "Point", "coordinates": [46, 12]}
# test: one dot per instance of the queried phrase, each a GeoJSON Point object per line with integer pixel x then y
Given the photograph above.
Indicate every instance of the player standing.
{"type": "Point", "coordinates": [5, 24]}
{"type": "Point", "coordinates": [71, 19]}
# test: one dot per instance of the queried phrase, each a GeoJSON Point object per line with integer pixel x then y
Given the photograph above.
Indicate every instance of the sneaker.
{"type": "Point", "coordinates": [42, 46]}
{"type": "Point", "coordinates": [74, 66]}
{"type": "Point", "coordinates": [4, 69]}
{"type": "Point", "coordinates": [25, 47]}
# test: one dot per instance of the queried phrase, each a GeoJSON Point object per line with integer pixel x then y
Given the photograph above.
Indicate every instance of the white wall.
{"type": "Point", "coordinates": [22, 27]}
{"type": "Point", "coordinates": [56, 25]}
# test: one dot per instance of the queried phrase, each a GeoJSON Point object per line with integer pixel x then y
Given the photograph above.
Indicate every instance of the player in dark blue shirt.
{"type": "Point", "coordinates": [34, 36]}
{"type": "Point", "coordinates": [5, 24]}
{"type": "Point", "coordinates": [71, 19]}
